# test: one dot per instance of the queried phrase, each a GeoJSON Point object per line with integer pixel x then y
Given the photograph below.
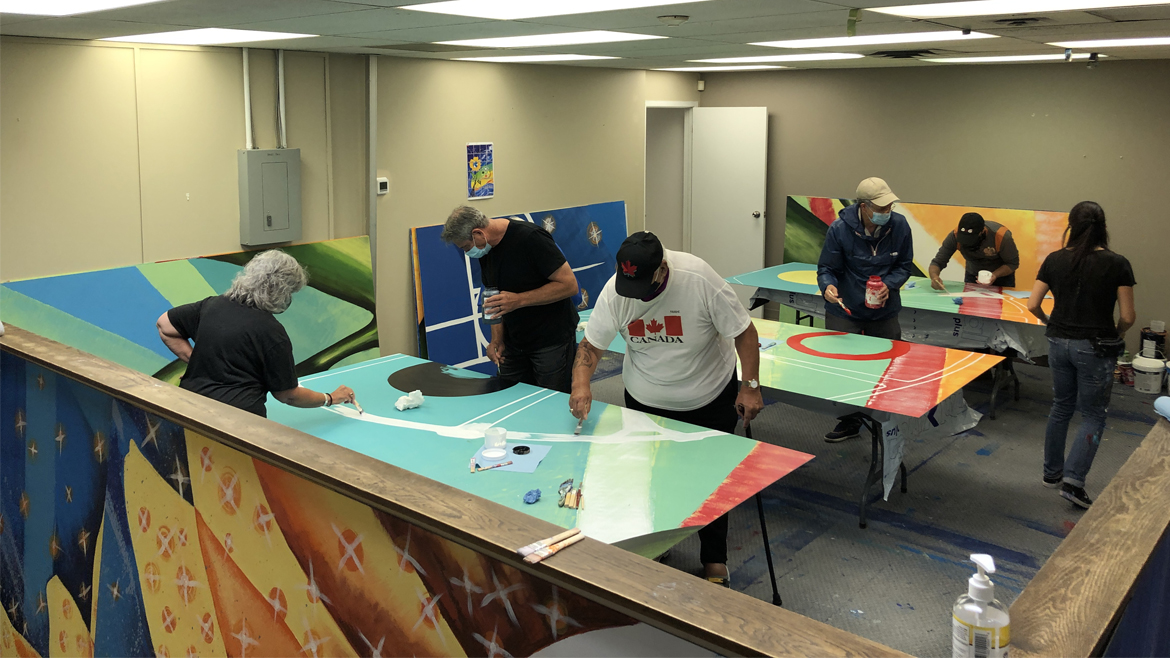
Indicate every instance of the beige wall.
{"type": "Point", "coordinates": [564, 136]}
{"type": "Point", "coordinates": [117, 154]}
{"type": "Point", "coordinates": [1016, 136]}
{"type": "Point", "coordinates": [665, 134]}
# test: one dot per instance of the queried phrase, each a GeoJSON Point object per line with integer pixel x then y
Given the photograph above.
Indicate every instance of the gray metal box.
{"type": "Point", "coordinates": [270, 196]}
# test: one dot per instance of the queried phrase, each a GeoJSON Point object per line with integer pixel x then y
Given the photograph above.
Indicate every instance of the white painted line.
{"type": "Point", "coordinates": [451, 323]}
{"type": "Point", "coordinates": [500, 408]}
{"type": "Point", "coordinates": [522, 409]}
{"type": "Point", "coordinates": [375, 362]}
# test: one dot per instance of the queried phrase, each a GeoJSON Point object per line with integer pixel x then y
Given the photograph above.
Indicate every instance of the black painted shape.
{"type": "Point", "coordinates": [438, 380]}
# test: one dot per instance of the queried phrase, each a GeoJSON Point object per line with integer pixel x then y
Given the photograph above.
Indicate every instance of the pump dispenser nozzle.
{"type": "Point", "coordinates": [980, 586]}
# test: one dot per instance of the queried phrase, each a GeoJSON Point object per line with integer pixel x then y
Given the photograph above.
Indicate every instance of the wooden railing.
{"type": "Point", "coordinates": [690, 608]}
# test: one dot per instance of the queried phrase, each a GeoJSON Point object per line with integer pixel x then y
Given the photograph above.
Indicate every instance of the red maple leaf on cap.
{"type": "Point", "coordinates": [655, 326]}
{"type": "Point", "coordinates": [629, 269]}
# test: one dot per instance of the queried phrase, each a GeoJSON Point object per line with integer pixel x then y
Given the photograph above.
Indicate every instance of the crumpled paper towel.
{"type": "Point", "coordinates": [415, 399]}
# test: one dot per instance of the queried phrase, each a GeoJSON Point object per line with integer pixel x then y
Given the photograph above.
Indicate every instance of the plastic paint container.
{"type": "Point", "coordinates": [1147, 375]}
{"type": "Point", "coordinates": [1125, 369]}
{"type": "Point", "coordinates": [1154, 340]}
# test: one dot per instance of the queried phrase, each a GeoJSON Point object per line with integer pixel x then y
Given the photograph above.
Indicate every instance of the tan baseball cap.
{"type": "Point", "coordinates": [876, 192]}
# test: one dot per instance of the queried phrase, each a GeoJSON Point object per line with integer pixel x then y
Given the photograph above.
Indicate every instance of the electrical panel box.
{"type": "Point", "coordinates": [270, 196]}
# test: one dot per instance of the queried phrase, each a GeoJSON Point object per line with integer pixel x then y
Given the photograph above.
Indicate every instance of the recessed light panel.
{"type": "Point", "coordinates": [65, 7]}
{"type": "Point", "coordinates": [809, 57]}
{"type": "Point", "coordinates": [512, 10]}
{"type": "Point", "coordinates": [1004, 58]}
{"type": "Point", "coordinates": [547, 40]}
{"type": "Point", "coordinates": [211, 36]}
{"type": "Point", "coordinates": [1004, 7]}
{"type": "Point", "coordinates": [1115, 43]}
{"type": "Point", "coordinates": [878, 39]}
{"type": "Point", "coordinates": [701, 69]}
{"type": "Point", "coordinates": [527, 59]}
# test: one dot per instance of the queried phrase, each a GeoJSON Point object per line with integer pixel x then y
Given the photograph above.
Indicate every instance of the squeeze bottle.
{"type": "Point", "coordinates": [980, 627]}
{"type": "Point", "coordinates": [873, 288]}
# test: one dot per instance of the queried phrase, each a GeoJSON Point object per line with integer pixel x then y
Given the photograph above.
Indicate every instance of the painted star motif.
{"type": "Point", "coordinates": [245, 639]}
{"type": "Point", "coordinates": [99, 446]}
{"type": "Point", "coordinates": [115, 591]}
{"type": "Point", "coordinates": [32, 449]}
{"type": "Point", "coordinates": [467, 586]}
{"type": "Point", "coordinates": [312, 642]}
{"type": "Point", "coordinates": [186, 584]}
{"type": "Point", "coordinates": [21, 423]}
{"type": "Point", "coordinates": [493, 647]}
{"type": "Point", "coordinates": [151, 576]}
{"type": "Point", "coordinates": [262, 520]}
{"type": "Point", "coordinates": [68, 494]}
{"type": "Point", "coordinates": [228, 547]}
{"type": "Point", "coordinates": [227, 494]}
{"type": "Point", "coordinates": [40, 381]}
{"type": "Point", "coordinates": [13, 608]}
{"type": "Point", "coordinates": [207, 627]}
{"type": "Point", "coordinates": [314, 592]}
{"type": "Point", "coordinates": [83, 541]}
{"type": "Point", "coordinates": [41, 605]}
{"type": "Point", "coordinates": [166, 542]}
{"type": "Point", "coordinates": [502, 593]}
{"type": "Point", "coordinates": [54, 545]}
{"type": "Point", "coordinates": [25, 504]}
{"type": "Point", "coordinates": [277, 601]}
{"type": "Point", "coordinates": [349, 550]}
{"type": "Point", "coordinates": [60, 438]}
{"type": "Point", "coordinates": [405, 557]}
{"type": "Point", "coordinates": [83, 593]}
{"type": "Point", "coordinates": [179, 476]}
{"type": "Point", "coordinates": [555, 615]}
{"type": "Point", "coordinates": [428, 614]}
{"type": "Point", "coordinates": [151, 434]}
{"type": "Point", "coordinates": [375, 652]}
{"type": "Point", "coordinates": [205, 462]}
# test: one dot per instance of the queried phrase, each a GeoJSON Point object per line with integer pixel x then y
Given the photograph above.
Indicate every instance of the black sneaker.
{"type": "Point", "coordinates": [1053, 482]}
{"type": "Point", "coordinates": [1077, 495]}
{"type": "Point", "coordinates": [848, 428]}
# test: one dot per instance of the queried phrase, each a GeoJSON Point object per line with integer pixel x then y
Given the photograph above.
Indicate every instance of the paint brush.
{"type": "Point", "coordinates": [542, 553]}
{"type": "Point", "coordinates": [357, 406]}
{"type": "Point", "coordinates": [577, 432]}
{"type": "Point", "coordinates": [488, 468]}
{"type": "Point", "coordinates": [545, 543]}
{"type": "Point", "coordinates": [473, 465]}
{"type": "Point", "coordinates": [842, 303]}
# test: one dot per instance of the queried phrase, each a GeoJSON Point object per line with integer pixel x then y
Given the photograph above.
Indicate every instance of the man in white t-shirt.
{"type": "Point", "coordinates": [683, 326]}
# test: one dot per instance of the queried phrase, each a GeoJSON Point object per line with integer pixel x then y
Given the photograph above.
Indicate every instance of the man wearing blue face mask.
{"type": "Point", "coordinates": [868, 239]}
{"type": "Point", "coordinates": [536, 340]}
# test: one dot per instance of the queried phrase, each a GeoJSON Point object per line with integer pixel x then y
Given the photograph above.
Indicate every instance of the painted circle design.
{"type": "Point", "coordinates": [806, 277]}
{"type": "Point", "coordinates": [897, 348]}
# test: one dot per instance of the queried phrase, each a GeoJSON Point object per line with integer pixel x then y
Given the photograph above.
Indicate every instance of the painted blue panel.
{"type": "Point", "coordinates": [92, 296]}
{"type": "Point", "coordinates": [13, 433]}
{"type": "Point", "coordinates": [216, 273]}
{"type": "Point", "coordinates": [39, 480]}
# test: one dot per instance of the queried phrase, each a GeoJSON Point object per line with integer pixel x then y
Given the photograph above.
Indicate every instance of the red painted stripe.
{"type": "Point", "coordinates": [764, 465]}
{"type": "Point", "coordinates": [983, 307]}
{"type": "Point", "coordinates": [895, 395]}
{"type": "Point", "coordinates": [822, 208]}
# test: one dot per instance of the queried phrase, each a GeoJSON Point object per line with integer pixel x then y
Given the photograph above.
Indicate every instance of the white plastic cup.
{"type": "Point", "coordinates": [984, 277]}
{"type": "Point", "coordinates": [495, 440]}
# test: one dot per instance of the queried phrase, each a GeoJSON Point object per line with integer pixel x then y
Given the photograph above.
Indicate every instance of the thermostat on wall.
{"type": "Point", "coordinates": [383, 186]}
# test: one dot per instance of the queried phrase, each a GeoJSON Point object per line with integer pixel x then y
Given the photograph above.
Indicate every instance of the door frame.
{"type": "Point", "coordinates": [688, 121]}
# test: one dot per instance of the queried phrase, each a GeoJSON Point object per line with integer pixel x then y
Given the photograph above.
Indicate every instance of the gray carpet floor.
{"type": "Point", "coordinates": [895, 582]}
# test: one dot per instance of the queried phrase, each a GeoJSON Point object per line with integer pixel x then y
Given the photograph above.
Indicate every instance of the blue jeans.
{"type": "Point", "coordinates": [1081, 381]}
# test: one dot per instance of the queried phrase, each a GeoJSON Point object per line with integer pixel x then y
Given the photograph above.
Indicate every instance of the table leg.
{"type": "Point", "coordinates": [776, 600]}
{"type": "Point", "coordinates": [801, 317]}
{"type": "Point", "coordinates": [875, 466]}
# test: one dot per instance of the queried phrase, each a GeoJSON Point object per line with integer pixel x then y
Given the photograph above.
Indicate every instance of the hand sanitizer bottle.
{"type": "Point", "coordinates": [980, 624]}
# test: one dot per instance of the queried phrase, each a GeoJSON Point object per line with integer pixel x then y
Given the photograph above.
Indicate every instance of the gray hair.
{"type": "Point", "coordinates": [462, 221]}
{"type": "Point", "coordinates": [268, 282]}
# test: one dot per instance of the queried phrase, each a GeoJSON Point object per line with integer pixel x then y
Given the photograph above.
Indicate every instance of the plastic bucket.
{"type": "Point", "coordinates": [1147, 375]}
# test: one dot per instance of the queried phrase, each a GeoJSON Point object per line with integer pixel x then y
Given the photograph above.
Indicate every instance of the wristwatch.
{"type": "Point", "coordinates": [753, 383]}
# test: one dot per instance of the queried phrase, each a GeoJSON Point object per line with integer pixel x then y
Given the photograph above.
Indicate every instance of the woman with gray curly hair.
{"type": "Point", "coordinates": [241, 351]}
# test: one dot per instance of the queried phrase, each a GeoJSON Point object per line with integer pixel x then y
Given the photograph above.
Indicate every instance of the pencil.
{"type": "Point", "coordinates": [545, 543]}
{"type": "Point", "coordinates": [542, 553]}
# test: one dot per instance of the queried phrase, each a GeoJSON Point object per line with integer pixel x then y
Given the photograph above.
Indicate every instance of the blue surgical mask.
{"type": "Point", "coordinates": [881, 218]}
{"type": "Point", "coordinates": [478, 252]}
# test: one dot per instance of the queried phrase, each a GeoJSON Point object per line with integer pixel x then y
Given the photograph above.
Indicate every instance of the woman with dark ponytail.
{"type": "Point", "coordinates": [1087, 281]}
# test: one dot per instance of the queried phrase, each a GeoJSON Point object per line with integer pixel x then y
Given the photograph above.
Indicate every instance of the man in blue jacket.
{"type": "Point", "coordinates": [868, 239]}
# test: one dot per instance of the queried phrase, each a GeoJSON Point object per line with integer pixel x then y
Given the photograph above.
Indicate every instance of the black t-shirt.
{"type": "Point", "coordinates": [241, 353]}
{"type": "Point", "coordinates": [524, 260]}
{"type": "Point", "coordinates": [1083, 300]}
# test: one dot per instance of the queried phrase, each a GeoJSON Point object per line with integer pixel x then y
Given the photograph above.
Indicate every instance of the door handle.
{"type": "Point", "coordinates": [756, 214]}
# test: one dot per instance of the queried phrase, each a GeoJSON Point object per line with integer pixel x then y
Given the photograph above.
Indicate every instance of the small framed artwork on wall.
{"type": "Point", "coordinates": [481, 180]}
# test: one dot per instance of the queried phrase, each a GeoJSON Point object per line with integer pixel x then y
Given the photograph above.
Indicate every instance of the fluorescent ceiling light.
{"type": "Point", "coordinates": [65, 7]}
{"type": "Point", "coordinates": [998, 7]}
{"type": "Point", "coordinates": [700, 69]}
{"type": "Point", "coordinates": [878, 39]}
{"type": "Point", "coordinates": [546, 40]}
{"type": "Point", "coordinates": [1004, 58]}
{"type": "Point", "coordinates": [523, 59]}
{"type": "Point", "coordinates": [510, 10]}
{"type": "Point", "coordinates": [1115, 43]}
{"type": "Point", "coordinates": [810, 57]}
{"type": "Point", "coordinates": [208, 36]}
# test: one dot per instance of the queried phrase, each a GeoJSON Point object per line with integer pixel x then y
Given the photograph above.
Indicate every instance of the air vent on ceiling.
{"type": "Point", "coordinates": [1024, 21]}
{"type": "Point", "coordinates": [427, 47]}
{"type": "Point", "coordinates": [902, 54]}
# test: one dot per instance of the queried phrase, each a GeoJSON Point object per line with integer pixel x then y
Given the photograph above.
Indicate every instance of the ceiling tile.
{"type": "Point", "coordinates": [219, 13]}
{"type": "Point", "coordinates": [72, 27]}
{"type": "Point", "coordinates": [352, 22]}
{"type": "Point", "coordinates": [699, 12]}
{"type": "Point", "coordinates": [11, 19]}
{"type": "Point", "coordinates": [481, 30]}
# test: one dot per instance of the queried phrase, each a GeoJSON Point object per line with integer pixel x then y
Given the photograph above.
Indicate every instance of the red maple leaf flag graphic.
{"type": "Point", "coordinates": [655, 326]}
{"type": "Point", "coordinates": [674, 325]}
{"type": "Point", "coordinates": [636, 328]}
{"type": "Point", "coordinates": [629, 269]}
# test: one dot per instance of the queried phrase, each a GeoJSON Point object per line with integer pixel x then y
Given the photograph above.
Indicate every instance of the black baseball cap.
{"type": "Point", "coordinates": [637, 260]}
{"type": "Point", "coordinates": [970, 228]}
